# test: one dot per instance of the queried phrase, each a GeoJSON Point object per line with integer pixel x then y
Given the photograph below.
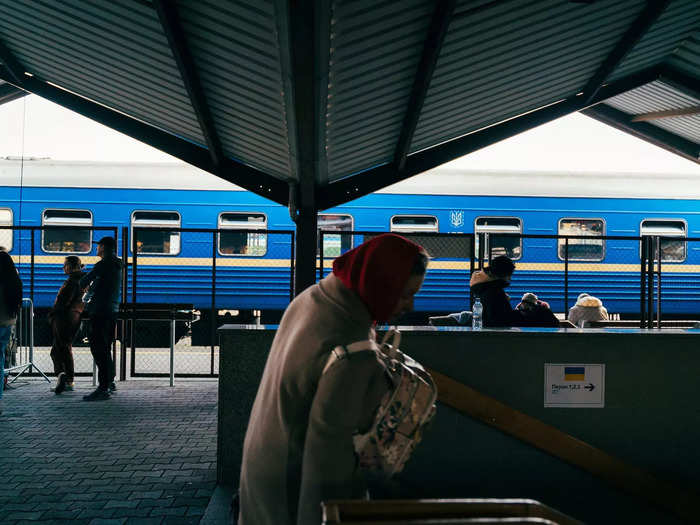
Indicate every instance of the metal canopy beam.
{"type": "Point", "coordinates": [680, 81]}
{"type": "Point", "coordinates": [9, 93]}
{"type": "Point", "coordinates": [306, 22]}
{"type": "Point", "coordinates": [645, 131]}
{"type": "Point", "coordinates": [669, 113]}
{"type": "Point", "coordinates": [232, 171]}
{"type": "Point", "coordinates": [636, 31]}
{"type": "Point", "coordinates": [13, 67]}
{"type": "Point", "coordinates": [431, 52]}
{"type": "Point", "coordinates": [374, 179]}
{"type": "Point", "coordinates": [170, 21]}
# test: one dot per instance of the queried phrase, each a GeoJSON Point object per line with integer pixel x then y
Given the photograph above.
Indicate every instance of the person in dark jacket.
{"type": "Point", "coordinates": [102, 299]}
{"type": "Point", "coordinates": [10, 305]}
{"type": "Point", "coordinates": [65, 321]}
{"type": "Point", "coordinates": [536, 311]}
{"type": "Point", "coordinates": [489, 286]}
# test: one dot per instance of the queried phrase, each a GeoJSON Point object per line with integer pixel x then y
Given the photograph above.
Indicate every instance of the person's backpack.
{"type": "Point", "coordinates": [404, 412]}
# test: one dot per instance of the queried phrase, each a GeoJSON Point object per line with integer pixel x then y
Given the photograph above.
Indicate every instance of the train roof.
{"type": "Point", "coordinates": [89, 174]}
{"type": "Point", "coordinates": [439, 181]}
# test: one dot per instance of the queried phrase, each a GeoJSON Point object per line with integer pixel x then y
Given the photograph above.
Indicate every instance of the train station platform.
{"type": "Point", "coordinates": [148, 455]}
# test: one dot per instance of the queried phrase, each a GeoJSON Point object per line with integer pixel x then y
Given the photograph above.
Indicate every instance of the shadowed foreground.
{"type": "Point", "coordinates": [148, 455]}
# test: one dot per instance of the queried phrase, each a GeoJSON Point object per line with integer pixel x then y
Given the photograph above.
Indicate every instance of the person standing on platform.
{"type": "Point", "coordinates": [10, 305]}
{"type": "Point", "coordinates": [298, 447]}
{"type": "Point", "coordinates": [104, 284]}
{"type": "Point", "coordinates": [65, 321]}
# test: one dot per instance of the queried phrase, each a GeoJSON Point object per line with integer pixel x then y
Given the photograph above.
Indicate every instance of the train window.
{"type": "Point", "coordinates": [502, 236]}
{"type": "Point", "coordinates": [588, 249]}
{"type": "Point", "coordinates": [74, 236]}
{"type": "Point", "coordinates": [6, 234]}
{"type": "Point", "coordinates": [414, 223]}
{"type": "Point", "coordinates": [672, 250]}
{"type": "Point", "coordinates": [153, 236]}
{"type": "Point", "coordinates": [335, 244]}
{"type": "Point", "coordinates": [249, 243]}
{"type": "Point", "coordinates": [436, 246]}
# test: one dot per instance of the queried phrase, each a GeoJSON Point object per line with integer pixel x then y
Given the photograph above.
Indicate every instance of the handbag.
{"type": "Point", "coordinates": [403, 413]}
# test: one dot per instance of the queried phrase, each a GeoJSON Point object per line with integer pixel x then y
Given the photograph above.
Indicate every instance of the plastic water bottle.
{"type": "Point", "coordinates": [477, 315]}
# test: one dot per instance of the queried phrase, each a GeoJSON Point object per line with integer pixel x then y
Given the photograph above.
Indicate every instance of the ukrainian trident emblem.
{"type": "Point", "coordinates": [457, 218]}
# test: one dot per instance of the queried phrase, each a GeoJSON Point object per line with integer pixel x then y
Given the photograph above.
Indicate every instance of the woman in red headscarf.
{"type": "Point", "coordinates": [298, 447]}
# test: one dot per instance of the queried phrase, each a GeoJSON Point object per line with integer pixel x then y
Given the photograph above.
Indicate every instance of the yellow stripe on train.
{"type": "Point", "coordinates": [261, 262]}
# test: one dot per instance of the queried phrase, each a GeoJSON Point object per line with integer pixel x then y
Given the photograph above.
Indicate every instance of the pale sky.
{"type": "Point", "coordinates": [570, 143]}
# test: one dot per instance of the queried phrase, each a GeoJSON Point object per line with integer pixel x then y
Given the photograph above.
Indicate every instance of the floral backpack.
{"type": "Point", "coordinates": [404, 411]}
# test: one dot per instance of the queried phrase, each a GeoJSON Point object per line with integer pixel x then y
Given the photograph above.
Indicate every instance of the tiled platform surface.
{"type": "Point", "coordinates": [148, 455]}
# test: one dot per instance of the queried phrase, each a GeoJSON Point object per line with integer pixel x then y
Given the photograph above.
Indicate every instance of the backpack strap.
{"type": "Point", "coordinates": [390, 345]}
{"type": "Point", "coordinates": [343, 352]}
{"type": "Point", "coordinates": [395, 338]}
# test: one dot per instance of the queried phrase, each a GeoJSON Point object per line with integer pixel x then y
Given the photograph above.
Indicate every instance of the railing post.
{"type": "Point", "coordinates": [658, 283]}
{"type": "Point", "coordinates": [642, 283]}
{"type": "Point", "coordinates": [31, 266]}
{"type": "Point", "coordinates": [172, 347]}
{"type": "Point", "coordinates": [214, 315]}
{"type": "Point", "coordinates": [134, 272]}
{"type": "Point", "coordinates": [125, 284]}
{"type": "Point", "coordinates": [320, 253]}
{"type": "Point", "coordinates": [566, 277]}
{"type": "Point", "coordinates": [115, 333]}
{"type": "Point", "coordinates": [487, 240]}
{"type": "Point", "coordinates": [650, 282]}
{"type": "Point", "coordinates": [481, 250]}
{"type": "Point", "coordinates": [292, 263]}
{"type": "Point", "coordinates": [471, 241]}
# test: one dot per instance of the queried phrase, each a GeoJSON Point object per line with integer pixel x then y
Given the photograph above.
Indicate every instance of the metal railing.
{"type": "Point", "coordinates": [558, 268]}
{"type": "Point", "coordinates": [227, 274]}
{"type": "Point", "coordinates": [224, 272]}
{"type": "Point", "coordinates": [23, 359]}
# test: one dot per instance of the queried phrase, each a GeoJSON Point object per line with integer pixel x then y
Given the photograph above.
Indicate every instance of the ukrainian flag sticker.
{"type": "Point", "coordinates": [574, 373]}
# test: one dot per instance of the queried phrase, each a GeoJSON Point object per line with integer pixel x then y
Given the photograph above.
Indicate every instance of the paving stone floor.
{"type": "Point", "coordinates": [148, 455]}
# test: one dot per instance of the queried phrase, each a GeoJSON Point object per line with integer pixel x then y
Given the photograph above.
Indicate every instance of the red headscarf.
{"type": "Point", "coordinates": [377, 271]}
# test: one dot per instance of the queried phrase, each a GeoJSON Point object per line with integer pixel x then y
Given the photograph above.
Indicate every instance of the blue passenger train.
{"type": "Point", "coordinates": [253, 267]}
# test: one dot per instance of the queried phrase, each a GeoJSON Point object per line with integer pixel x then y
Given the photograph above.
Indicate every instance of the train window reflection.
{"type": "Point", "coordinates": [502, 236]}
{"type": "Point", "coordinates": [335, 244]}
{"type": "Point", "coordinates": [588, 249]}
{"type": "Point", "coordinates": [672, 250]}
{"type": "Point", "coordinates": [74, 234]}
{"type": "Point", "coordinates": [153, 236]}
{"type": "Point", "coordinates": [414, 223]}
{"type": "Point", "coordinates": [250, 243]}
{"type": "Point", "coordinates": [6, 234]}
{"type": "Point", "coordinates": [436, 246]}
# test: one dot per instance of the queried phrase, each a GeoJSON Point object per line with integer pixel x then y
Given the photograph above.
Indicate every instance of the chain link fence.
{"type": "Point", "coordinates": [623, 271]}
{"type": "Point", "coordinates": [232, 274]}
{"type": "Point", "coordinates": [245, 275]}
{"type": "Point", "coordinates": [39, 253]}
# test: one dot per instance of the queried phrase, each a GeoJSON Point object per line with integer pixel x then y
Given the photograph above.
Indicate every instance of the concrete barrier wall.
{"type": "Point", "coordinates": [650, 419]}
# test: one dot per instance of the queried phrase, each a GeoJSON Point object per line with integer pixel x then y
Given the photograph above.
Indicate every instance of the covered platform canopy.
{"type": "Point", "coordinates": [315, 103]}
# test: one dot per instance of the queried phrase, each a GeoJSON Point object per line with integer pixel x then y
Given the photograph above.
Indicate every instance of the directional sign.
{"type": "Point", "coordinates": [574, 385]}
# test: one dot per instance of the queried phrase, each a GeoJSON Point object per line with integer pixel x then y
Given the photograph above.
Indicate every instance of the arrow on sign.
{"type": "Point", "coordinates": [590, 387]}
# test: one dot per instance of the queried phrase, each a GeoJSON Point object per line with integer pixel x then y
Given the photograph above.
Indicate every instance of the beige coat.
{"type": "Point", "coordinates": [298, 447]}
{"type": "Point", "coordinates": [587, 308]}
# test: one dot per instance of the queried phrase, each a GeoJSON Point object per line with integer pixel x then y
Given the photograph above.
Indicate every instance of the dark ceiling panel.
{"type": "Point", "coordinates": [508, 66]}
{"type": "Point", "coordinates": [375, 51]}
{"type": "Point", "coordinates": [671, 35]}
{"type": "Point", "coordinates": [113, 53]}
{"type": "Point", "coordinates": [211, 80]}
{"type": "Point", "coordinates": [236, 49]}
